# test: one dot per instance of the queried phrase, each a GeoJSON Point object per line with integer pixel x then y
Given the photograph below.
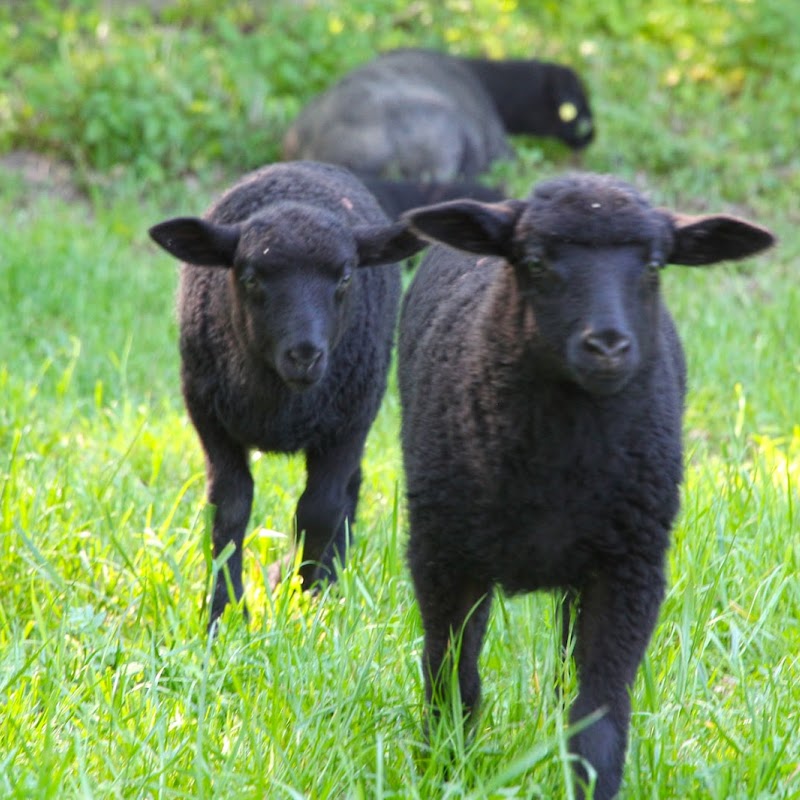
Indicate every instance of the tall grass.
{"type": "Point", "coordinates": [109, 686]}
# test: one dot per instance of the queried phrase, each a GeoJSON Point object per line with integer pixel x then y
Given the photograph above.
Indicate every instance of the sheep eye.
{"type": "Point", "coordinates": [652, 271]}
{"type": "Point", "coordinates": [249, 282]}
{"type": "Point", "coordinates": [535, 265]}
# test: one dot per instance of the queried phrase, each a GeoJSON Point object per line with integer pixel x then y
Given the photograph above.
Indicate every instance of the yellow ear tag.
{"type": "Point", "coordinates": [567, 112]}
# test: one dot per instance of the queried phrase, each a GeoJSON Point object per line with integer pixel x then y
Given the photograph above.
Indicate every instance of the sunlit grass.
{"type": "Point", "coordinates": [109, 685]}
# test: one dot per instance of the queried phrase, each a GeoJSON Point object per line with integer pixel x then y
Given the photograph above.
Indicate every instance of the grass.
{"type": "Point", "coordinates": [109, 686]}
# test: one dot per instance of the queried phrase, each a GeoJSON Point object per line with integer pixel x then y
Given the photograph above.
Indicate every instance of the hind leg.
{"type": "Point", "coordinates": [327, 508]}
{"type": "Point", "coordinates": [336, 550]}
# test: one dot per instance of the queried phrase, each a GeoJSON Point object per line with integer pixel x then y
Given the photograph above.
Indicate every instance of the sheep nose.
{"type": "Point", "coordinates": [304, 357]}
{"type": "Point", "coordinates": [608, 344]}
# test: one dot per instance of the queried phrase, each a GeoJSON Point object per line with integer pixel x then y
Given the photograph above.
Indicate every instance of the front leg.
{"type": "Point", "coordinates": [455, 610]}
{"type": "Point", "coordinates": [617, 614]}
{"type": "Point", "coordinates": [230, 490]}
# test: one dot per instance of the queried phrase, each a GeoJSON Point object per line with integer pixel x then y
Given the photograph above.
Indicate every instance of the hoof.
{"type": "Point", "coordinates": [280, 569]}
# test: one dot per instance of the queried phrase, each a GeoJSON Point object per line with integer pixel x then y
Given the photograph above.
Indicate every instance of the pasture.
{"type": "Point", "coordinates": [114, 116]}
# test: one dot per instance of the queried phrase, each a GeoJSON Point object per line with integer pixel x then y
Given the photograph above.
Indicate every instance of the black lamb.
{"type": "Point", "coordinates": [421, 114]}
{"type": "Point", "coordinates": [286, 329]}
{"type": "Point", "coordinates": [542, 384]}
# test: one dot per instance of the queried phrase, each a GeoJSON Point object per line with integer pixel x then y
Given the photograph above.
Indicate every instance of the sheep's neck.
{"type": "Point", "coordinates": [514, 87]}
{"type": "Point", "coordinates": [505, 351]}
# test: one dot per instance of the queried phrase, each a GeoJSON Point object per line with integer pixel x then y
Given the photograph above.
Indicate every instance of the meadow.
{"type": "Point", "coordinates": [109, 685]}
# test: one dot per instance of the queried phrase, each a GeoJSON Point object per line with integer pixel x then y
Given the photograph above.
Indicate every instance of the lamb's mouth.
{"type": "Point", "coordinates": [604, 382]}
{"type": "Point", "coordinates": [300, 385]}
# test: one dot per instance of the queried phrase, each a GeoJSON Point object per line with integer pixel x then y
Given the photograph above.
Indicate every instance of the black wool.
{"type": "Point", "coordinates": [542, 384]}
{"type": "Point", "coordinates": [425, 115]}
{"type": "Point", "coordinates": [287, 307]}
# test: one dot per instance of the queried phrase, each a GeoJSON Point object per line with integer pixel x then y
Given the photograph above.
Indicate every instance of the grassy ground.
{"type": "Point", "coordinates": [108, 684]}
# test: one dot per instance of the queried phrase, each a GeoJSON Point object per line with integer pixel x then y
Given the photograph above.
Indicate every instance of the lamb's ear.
{"type": "Point", "coordinates": [197, 241]}
{"type": "Point", "coordinates": [384, 244]}
{"type": "Point", "coordinates": [485, 228]}
{"type": "Point", "coordinates": [709, 239]}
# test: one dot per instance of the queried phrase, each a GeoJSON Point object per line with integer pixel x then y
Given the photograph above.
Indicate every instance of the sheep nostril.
{"type": "Point", "coordinates": [609, 344]}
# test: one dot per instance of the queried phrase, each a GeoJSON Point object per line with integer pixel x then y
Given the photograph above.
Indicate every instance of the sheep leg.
{"type": "Point", "coordinates": [327, 507]}
{"type": "Point", "coordinates": [615, 621]}
{"type": "Point", "coordinates": [455, 611]}
{"type": "Point", "coordinates": [337, 548]}
{"type": "Point", "coordinates": [455, 634]}
{"type": "Point", "coordinates": [230, 490]}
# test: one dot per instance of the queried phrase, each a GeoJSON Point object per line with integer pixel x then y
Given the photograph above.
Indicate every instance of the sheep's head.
{"type": "Point", "coordinates": [568, 115]}
{"type": "Point", "coordinates": [585, 253]}
{"type": "Point", "coordinates": [291, 269]}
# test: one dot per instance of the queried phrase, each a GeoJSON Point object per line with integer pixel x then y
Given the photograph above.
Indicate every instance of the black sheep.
{"type": "Point", "coordinates": [421, 114]}
{"type": "Point", "coordinates": [397, 196]}
{"type": "Point", "coordinates": [285, 340]}
{"type": "Point", "coordinates": [542, 384]}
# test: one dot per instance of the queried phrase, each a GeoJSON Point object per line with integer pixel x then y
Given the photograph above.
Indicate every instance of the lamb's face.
{"type": "Point", "coordinates": [595, 309]}
{"type": "Point", "coordinates": [291, 284]}
{"type": "Point", "coordinates": [585, 252]}
{"type": "Point", "coordinates": [291, 267]}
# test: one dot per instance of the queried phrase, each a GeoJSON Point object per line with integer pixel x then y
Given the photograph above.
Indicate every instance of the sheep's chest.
{"type": "Point", "coordinates": [547, 531]}
{"type": "Point", "coordinates": [551, 514]}
{"type": "Point", "coordinates": [272, 424]}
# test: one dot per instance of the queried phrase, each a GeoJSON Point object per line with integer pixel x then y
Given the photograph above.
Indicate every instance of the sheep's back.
{"type": "Point", "coordinates": [410, 113]}
{"type": "Point", "coordinates": [326, 186]}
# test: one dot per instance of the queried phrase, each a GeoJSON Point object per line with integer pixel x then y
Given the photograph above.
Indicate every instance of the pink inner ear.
{"type": "Point", "coordinates": [683, 220]}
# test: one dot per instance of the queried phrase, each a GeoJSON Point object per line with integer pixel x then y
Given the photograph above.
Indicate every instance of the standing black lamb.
{"type": "Point", "coordinates": [285, 339]}
{"type": "Point", "coordinates": [420, 114]}
{"type": "Point", "coordinates": [542, 385]}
